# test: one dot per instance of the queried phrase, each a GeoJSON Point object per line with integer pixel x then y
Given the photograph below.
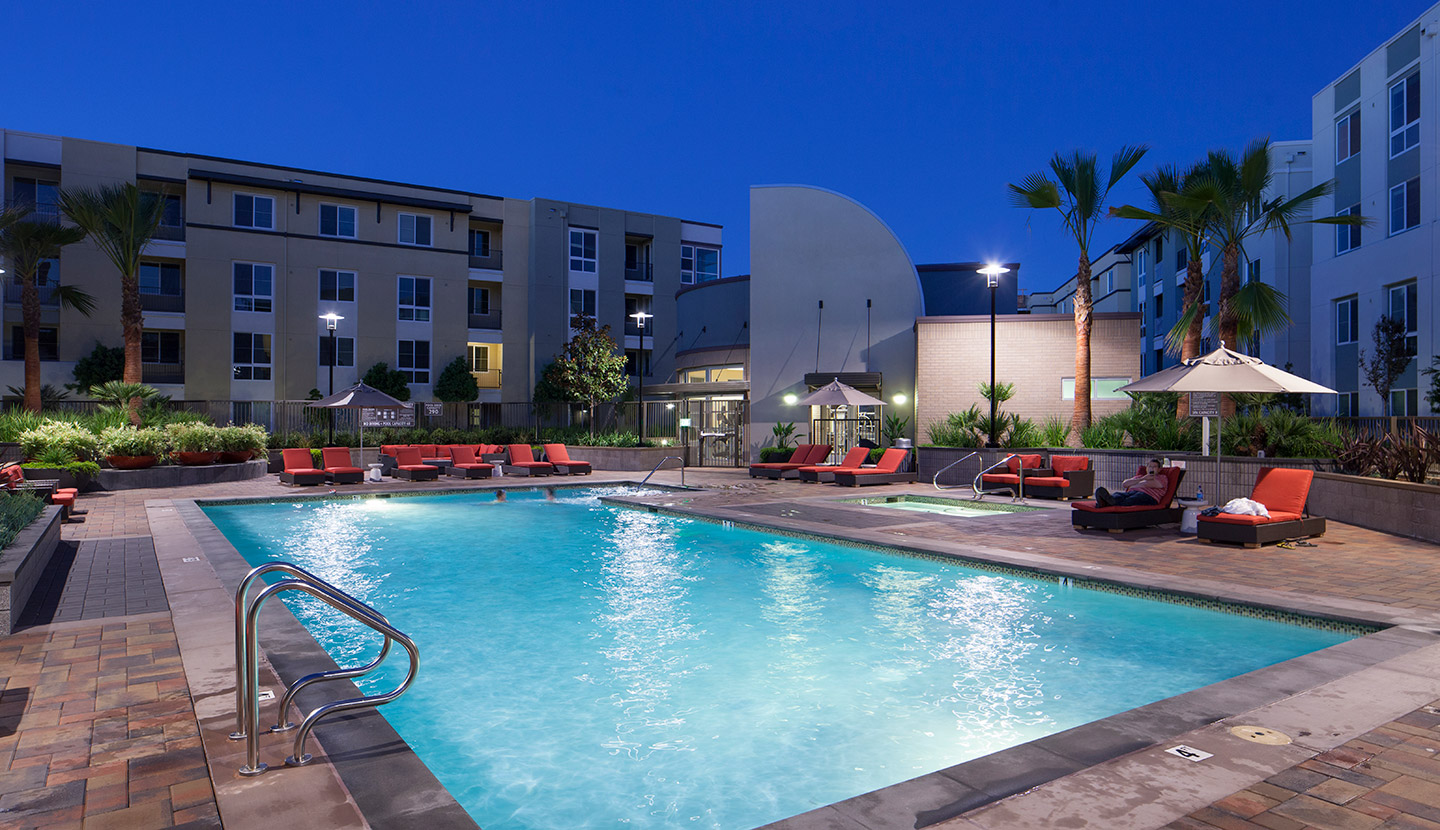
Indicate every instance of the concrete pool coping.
{"type": "Point", "coordinates": [392, 787]}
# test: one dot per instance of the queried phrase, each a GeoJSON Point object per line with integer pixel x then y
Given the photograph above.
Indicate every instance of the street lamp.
{"type": "Point", "coordinates": [640, 318]}
{"type": "Point", "coordinates": [992, 274]}
{"type": "Point", "coordinates": [331, 321]}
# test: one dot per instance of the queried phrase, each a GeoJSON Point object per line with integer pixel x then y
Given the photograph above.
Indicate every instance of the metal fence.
{"type": "Point", "coordinates": [1375, 427]}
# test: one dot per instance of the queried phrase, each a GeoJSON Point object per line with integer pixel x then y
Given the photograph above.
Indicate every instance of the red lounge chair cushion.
{"type": "Point", "coordinates": [1001, 478]}
{"type": "Point", "coordinates": [11, 477]}
{"type": "Point", "coordinates": [300, 471]}
{"type": "Point", "coordinates": [1015, 462]}
{"type": "Point", "coordinates": [1092, 507]}
{"type": "Point", "coordinates": [474, 465]}
{"type": "Point", "coordinates": [1069, 463]}
{"type": "Point", "coordinates": [297, 461]}
{"type": "Point", "coordinates": [390, 450]}
{"type": "Point", "coordinates": [557, 453]}
{"type": "Point", "coordinates": [426, 450]}
{"type": "Point", "coordinates": [521, 454]}
{"type": "Point", "coordinates": [64, 500]}
{"type": "Point", "coordinates": [462, 456]}
{"type": "Point", "coordinates": [336, 459]}
{"type": "Point", "coordinates": [66, 491]}
{"type": "Point", "coordinates": [890, 461]}
{"type": "Point", "coordinates": [1243, 519]}
{"type": "Point", "coordinates": [409, 458]}
{"type": "Point", "coordinates": [818, 454]}
{"type": "Point", "coordinates": [415, 467]}
{"type": "Point", "coordinates": [1282, 490]}
{"type": "Point", "coordinates": [1045, 481]}
{"type": "Point", "coordinates": [852, 461]}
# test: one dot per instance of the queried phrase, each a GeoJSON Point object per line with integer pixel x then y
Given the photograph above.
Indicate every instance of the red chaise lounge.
{"type": "Point", "coordinates": [1284, 493]}
{"type": "Point", "coordinates": [885, 472]}
{"type": "Point", "coordinates": [340, 467]}
{"type": "Point", "coordinates": [805, 455]}
{"type": "Point", "coordinates": [1118, 519]}
{"type": "Point", "coordinates": [557, 455]}
{"type": "Point", "coordinates": [464, 464]}
{"type": "Point", "coordinates": [523, 463]}
{"type": "Point", "coordinates": [409, 467]}
{"type": "Point", "coordinates": [1070, 477]}
{"type": "Point", "coordinates": [1010, 480]}
{"type": "Point", "coordinates": [298, 468]}
{"type": "Point", "coordinates": [826, 472]}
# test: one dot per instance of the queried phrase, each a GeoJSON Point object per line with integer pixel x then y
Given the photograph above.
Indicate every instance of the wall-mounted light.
{"type": "Point", "coordinates": [899, 399]}
{"type": "Point", "coordinates": [669, 406]}
{"type": "Point", "coordinates": [791, 399]}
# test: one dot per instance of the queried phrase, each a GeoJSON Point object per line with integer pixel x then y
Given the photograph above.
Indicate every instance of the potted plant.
{"type": "Point", "coordinates": [127, 448]}
{"type": "Point", "coordinates": [194, 444]}
{"type": "Point", "coordinates": [241, 443]}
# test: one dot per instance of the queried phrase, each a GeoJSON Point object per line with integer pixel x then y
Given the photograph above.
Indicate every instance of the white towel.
{"type": "Point", "coordinates": [1245, 507]}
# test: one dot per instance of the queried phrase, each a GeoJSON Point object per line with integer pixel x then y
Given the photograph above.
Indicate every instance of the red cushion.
{"type": "Point", "coordinates": [520, 453]}
{"type": "Point", "coordinates": [413, 467]}
{"type": "Point", "coordinates": [1092, 507]}
{"type": "Point", "coordinates": [818, 454]}
{"type": "Point", "coordinates": [533, 464]}
{"type": "Point", "coordinates": [336, 457]}
{"type": "Point", "coordinates": [390, 449]}
{"type": "Point", "coordinates": [1015, 462]}
{"type": "Point", "coordinates": [426, 450]}
{"type": "Point", "coordinates": [775, 465]}
{"type": "Point", "coordinates": [300, 471]}
{"type": "Point", "coordinates": [1069, 463]}
{"type": "Point", "coordinates": [296, 459]}
{"type": "Point", "coordinates": [1243, 519]}
{"type": "Point", "coordinates": [478, 465]}
{"type": "Point", "coordinates": [407, 455]}
{"type": "Point", "coordinates": [1045, 481]}
{"type": "Point", "coordinates": [1000, 478]}
{"type": "Point", "coordinates": [462, 455]}
{"type": "Point", "coordinates": [890, 460]}
{"type": "Point", "coordinates": [1282, 489]}
{"type": "Point", "coordinates": [62, 499]}
{"type": "Point", "coordinates": [557, 453]}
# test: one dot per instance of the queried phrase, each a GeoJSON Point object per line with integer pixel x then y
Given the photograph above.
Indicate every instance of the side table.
{"type": "Point", "coordinates": [1190, 518]}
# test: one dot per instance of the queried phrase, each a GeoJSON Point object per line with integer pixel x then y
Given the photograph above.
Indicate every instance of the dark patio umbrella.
{"type": "Point", "coordinates": [359, 396]}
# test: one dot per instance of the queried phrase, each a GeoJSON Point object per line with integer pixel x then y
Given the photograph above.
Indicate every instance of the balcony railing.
{"type": "Point", "coordinates": [485, 321]}
{"type": "Point", "coordinates": [162, 302]}
{"type": "Point", "coordinates": [487, 380]}
{"type": "Point", "coordinates": [162, 372]}
{"type": "Point", "coordinates": [171, 233]}
{"type": "Point", "coordinates": [640, 271]}
{"type": "Point", "coordinates": [47, 292]}
{"type": "Point", "coordinates": [494, 260]}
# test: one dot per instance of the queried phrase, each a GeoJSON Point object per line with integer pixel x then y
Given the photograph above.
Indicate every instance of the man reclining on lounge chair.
{"type": "Point", "coordinates": [1138, 490]}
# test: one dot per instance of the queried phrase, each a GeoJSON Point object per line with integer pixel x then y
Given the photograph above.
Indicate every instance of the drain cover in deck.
{"type": "Point", "coordinates": [1260, 735]}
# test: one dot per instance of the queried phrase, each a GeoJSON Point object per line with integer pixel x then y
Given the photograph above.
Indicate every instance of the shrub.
{"type": "Point", "coordinates": [1104, 433]}
{"type": "Point", "coordinates": [1053, 432]}
{"type": "Point", "coordinates": [242, 438]}
{"type": "Point", "coordinates": [194, 438]}
{"type": "Point", "coordinates": [53, 437]}
{"type": "Point", "coordinates": [79, 469]}
{"type": "Point", "coordinates": [17, 511]}
{"type": "Point", "coordinates": [103, 364]}
{"type": "Point", "coordinates": [455, 383]}
{"type": "Point", "coordinates": [959, 429]}
{"type": "Point", "coordinates": [131, 441]}
{"type": "Point", "coordinates": [1019, 432]}
{"type": "Point", "coordinates": [775, 454]}
{"type": "Point", "coordinates": [390, 381]}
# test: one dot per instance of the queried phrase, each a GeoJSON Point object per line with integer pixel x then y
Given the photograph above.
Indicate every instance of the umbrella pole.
{"type": "Point", "coordinates": [1219, 447]}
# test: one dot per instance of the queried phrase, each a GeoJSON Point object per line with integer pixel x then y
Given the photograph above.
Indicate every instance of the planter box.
{"type": "Point", "coordinates": [172, 475]}
{"type": "Point", "coordinates": [10, 451]}
{"type": "Point", "coordinates": [64, 477]}
{"type": "Point", "coordinates": [1397, 507]}
{"type": "Point", "coordinates": [624, 459]}
{"type": "Point", "coordinates": [22, 563]}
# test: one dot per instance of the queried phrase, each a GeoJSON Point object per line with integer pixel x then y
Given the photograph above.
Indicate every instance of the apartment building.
{"type": "Point", "coordinates": [1374, 135]}
{"type": "Point", "coordinates": [251, 257]}
{"type": "Point", "coordinates": [1112, 286]}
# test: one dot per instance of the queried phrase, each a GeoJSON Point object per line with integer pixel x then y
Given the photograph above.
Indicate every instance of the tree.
{"type": "Point", "coordinates": [591, 368]}
{"type": "Point", "coordinates": [27, 244]}
{"type": "Point", "coordinates": [392, 382]}
{"type": "Point", "coordinates": [550, 387]}
{"type": "Point", "coordinates": [1392, 356]}
{"type": "Point", "coordinates": [1078, 194]}
{"type": "Point", "coordinates": [455, 383]}
{"type": "Point", "coordinates": [103, 364]}
{"type": "Point", "coordinates": [1432, 396]}
{"type": "Point", "coordinates": [121, 219]}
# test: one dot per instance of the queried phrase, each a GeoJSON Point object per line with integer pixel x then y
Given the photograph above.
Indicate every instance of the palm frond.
{"type": "Point", "coordinates": [1132, 212]}
{"type": "Point", "coordinates": [27, 243]}
{"type": "Point", "coordinates": [121, 219]}
{"type": "Point", "coordinates": [74, 297]}
{"type": "Point", "coordinates": [1175, 338]}
{"type": "Point", "coordinates": [1255, 173]}
{"type": "Point", "coordinates": [1259, 309]}
{"type": "Point", "coordinates": [11, 215]}
{"type": "Point", "coordinates": [1124, 161]}
{"type": "Point", "coordinates": [1035, 191]}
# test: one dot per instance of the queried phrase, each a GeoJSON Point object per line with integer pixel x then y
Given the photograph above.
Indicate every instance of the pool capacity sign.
{"type": "Point", "coordinates": [402, 417]}
{"type": "Point", "coordinates": [1204, 404]}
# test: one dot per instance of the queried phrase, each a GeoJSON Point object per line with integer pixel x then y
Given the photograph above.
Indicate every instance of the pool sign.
{"type": "Point", "coordinates": [403, 417]}
{"type": "Point", "coordinates": [434, 410]}
{"type": "Point", "coordinates": [1204, 404]}
{"type": "Point", "coordinates": [1189, 753]}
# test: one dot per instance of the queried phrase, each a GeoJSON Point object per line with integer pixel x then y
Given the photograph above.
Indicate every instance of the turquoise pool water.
{"type": "Point", "coordinates": [590, 667]}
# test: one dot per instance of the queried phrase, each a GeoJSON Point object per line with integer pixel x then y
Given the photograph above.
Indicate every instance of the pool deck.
{"type": "Point", "coordinates": [116, 698]}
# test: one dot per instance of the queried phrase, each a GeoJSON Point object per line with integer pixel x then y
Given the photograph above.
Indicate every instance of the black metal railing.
{"type": "Point", "coordinates": [171, 233]}
{"type": "Point", "coordinates": [13, 292]}
{"type": "Point", "coordinates": [162, 372]}
{"type": "Point", "coordinates": [640, 271]}
{"type": "Point", "coordinates": [485, 321]}
{"type": "Point", "coordinates": [162, 302]}
{"type": "Point", "coordinates": [493, 259]}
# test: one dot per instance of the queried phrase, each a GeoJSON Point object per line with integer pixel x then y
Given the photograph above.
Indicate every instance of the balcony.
{"type": "Point", "coordinates": [640, 271]}
{"type": "Point", "coordinates": [485, 321]}
{"type": "Point", "coordinates": [163, 302]}
{"type": "Point", "coordinates": [493, 260]}
{"type": "Point", "coordinates": [171, 233]}
{"type": "Point", "coordinates": [47, 293]}
{"type": "Point", "coordinates": [487, 380]}
{"type": "Point", "coordinates": [153, 373]}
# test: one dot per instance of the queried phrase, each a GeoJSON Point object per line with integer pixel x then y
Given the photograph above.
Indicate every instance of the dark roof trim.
{"type": "Point", "coordinates": [324, 190]}
{"type": "Point", "coordinates": [26, 163]}
{"type": "Point", "coordinates": [338, 240]}
{"type": "Point", "coordinates": [486, 219]}
{"type": "Point", "coordinates": [1023, 317]}
{"type": "Point", "coordinates": [727, 351]}
{"type": "Point", "coordinates": [722, 281]}
{"type": "Point", "coordinates": [706, 224]}
{"type": "Point", "coordinates": [1136, 239]}
{"type": "Point", "coordinates": [638, 235]}
{"type": "Point", "coordinates": [146, 177]}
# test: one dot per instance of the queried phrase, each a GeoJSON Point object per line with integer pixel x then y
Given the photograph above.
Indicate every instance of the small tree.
{"type": "Point", "coordinates": [1392, 356]}
{"type": "Point", "coordinates": [550, 387]}
{"type": "Point", "coordinates": [102, 365]}
{"type": "Point", "coordinates": [456, 384]}
{"type": "Point", "coordinates": [29, 244]}
{"type": "Point", "coordinates": [1432, 396]}
{"type": "Point", "coordinates": [392, 382]}
{"type": "Point", "coordinates": [591, 368]}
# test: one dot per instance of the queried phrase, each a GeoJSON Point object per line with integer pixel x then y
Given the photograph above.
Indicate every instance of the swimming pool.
{"type": "Point", "coordinates": [589, 666]}
{"type": "Point", "coordinates": [948, 507]}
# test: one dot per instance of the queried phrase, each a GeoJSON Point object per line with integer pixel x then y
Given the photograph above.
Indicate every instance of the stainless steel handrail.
{"type": "Point", "coordinates": [248, 672]}
{"type": "Point", "coordinates": [975, 485]}
{"type": "Point", "coordinates": [656, 468]}
{"type": "Point", "coordinates": [936, 479]}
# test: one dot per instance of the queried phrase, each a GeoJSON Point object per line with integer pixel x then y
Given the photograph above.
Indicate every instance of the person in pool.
{"type": "Point", "coordinates": [1145, 489]}
{"type": "Point", "coordinates": [500, 496]}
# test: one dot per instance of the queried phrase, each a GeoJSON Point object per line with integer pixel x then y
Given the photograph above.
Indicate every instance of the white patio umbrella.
{"type": "Point", "coordinates": [836, 393]}
{"type": "Point", "coordinates": [1225, 371]}
{"type": "Point", "coordinates": [358, 396]}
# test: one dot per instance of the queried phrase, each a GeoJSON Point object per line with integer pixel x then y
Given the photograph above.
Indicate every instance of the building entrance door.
{"type": "Point", "coordinates": [716, 436]}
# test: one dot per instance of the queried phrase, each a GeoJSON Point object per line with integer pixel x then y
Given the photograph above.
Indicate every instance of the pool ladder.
{"type": "Point", "coordinates": [1015, 495]}
{"type": "Point", "coordinates": [247, 651]}
{"type": "Point", "coordinates": [656, 468]}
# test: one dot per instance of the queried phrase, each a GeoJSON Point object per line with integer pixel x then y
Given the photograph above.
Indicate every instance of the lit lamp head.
{"type": "Point", "coordinates": [641, 317]}
{"type": "Point", "coordinates": [791, 399]}
{"type": "Point", "coordinates": [992, 274]}
{"type": "Point", "coordinates": [332, 320]}
{"type": "Point", "coordinates": [899, 399]}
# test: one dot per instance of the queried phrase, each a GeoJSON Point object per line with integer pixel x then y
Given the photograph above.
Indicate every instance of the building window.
{"type": "Point", "coordinates": [1405, 402]}
{"type": "Point", "coordinates": [1252, 271]}
{"type": "Point", "coordinates": [160, 278]}
{"type": "Point", "coordinates": [160, 347]}
{"type": "Point", "coordinates": [1347, 321]}
{"type": "Point", "coordinates": [1142, 264]}
{"type": "Point", "coordinates": [344, 351]}
{"type": "Point", "coordinates": [582, 250]}
{"type": "Point", "coordinates": [479, 300]}
{"type": "Point", "coordinates": [252, 356]}
{"type": "Point", "coordinates": [582, 302]}
{"type": "Point", "coordinates": [634, 357]}
{"type": "Point", "coordinates": [49, 343]}
{"type": "Point", "coordinates": [1181, 257]}
{"type": "Point", "coordinates": [479, 243]}
{"type": "Point", "coordinates": [43, 197]}
{"type": "Point", "coordinates": [414, 229]}
{"type": "Point", "coordinates": [174, 211]}
{"type": "Point", "coordinates": [337, 286]}
{"type": "Point", "coordinates": [1347, 137]}
{"type": "Point", "coordinates": [337, 220]}
{"type": "Point", "coordinates": [699, 264]}
{"type": "Point", "coordinates": [1207, 291]}
{"type": "Point", "coordinates": [1101, 389]}
{"type": "Point", "coordinates": [1405, 206]}
{"type": "Point", "coordinates": [413, 358]}
{"type": "Point", "coordinates": [1404, 306]}
{"type": "Point", "coordinates": [1405, 114]}
{"type": "Point", "coordinates": [1347, 237]}
{"type": "Point", "coordinates": [414, 299]}
{"type": "Point", "coordinates": [254, 211]}
{"type": "Point", "coordinates": [1159, 250]}
{"type": "Point", "coordinates": [1159, 359]}
{"type": "Point", "coordinates": [1159, 306]}
{"type": "Point", "coordinates": [252, 286]}
{"type": "Point", "coordinates": [479, 358]}
{"type": "Point", "coordinates": [1348, 405]}
{"type": "Point", "coordinates": [1110, 281]}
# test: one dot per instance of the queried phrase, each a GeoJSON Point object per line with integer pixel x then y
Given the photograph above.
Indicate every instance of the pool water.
{"type": "Point", "coordinates": [593, 667]}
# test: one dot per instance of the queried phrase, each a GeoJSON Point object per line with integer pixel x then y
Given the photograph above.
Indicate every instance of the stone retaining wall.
{"type": "Point", "coordinates": [22, 563]}
{"type": "Point", "coordinates": [175, 475]}
{"type": "Point", "coordinates": [1397, 507]}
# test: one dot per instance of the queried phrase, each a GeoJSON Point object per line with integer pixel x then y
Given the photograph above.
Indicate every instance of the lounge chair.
{"type": "Point", "coordinates": [886, 472]}
{"type": "Point", "coordinates": [409, 467]}
{"type": "Point", "coordinates": [297, 467]}
{"type": "Point", "coordinates": [1284, 493]}
{"type": "Point", "coordinates": [464, 464]}
{"type": "Point", "coordinates": [1016, 466]}
{"type": "Point", "coordinates": [523, 463]}
{"type": "Point", "coordinates": [1118, 519]}
{"type": "Point", "coordinates": [557, 455]}
{"type": "Point", "coordinates": [340, 467]}
{"type": "Point", "coordinates": [805, 455]}
{"type": "Point", "coordinates": [826, 472]}
{"type": "Point", "coordinates": [1069, 477]}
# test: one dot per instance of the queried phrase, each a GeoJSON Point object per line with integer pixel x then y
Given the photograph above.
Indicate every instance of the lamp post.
{"type": "Point", "coordinates": [331, 321]}
{"type": "Point", "coordinates": [992, 274]}
{"type": "Point", "coordinates": [640, 318]}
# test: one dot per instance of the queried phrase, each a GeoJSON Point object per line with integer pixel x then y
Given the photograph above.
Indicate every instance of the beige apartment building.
{"type": "Point", "coordinates": [251, 256]}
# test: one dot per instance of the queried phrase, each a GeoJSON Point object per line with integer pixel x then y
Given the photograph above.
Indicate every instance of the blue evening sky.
{"type": "Point", "coordinates": [922, 114]}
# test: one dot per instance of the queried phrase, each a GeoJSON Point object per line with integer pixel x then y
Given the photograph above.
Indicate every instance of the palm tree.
{"type": "Point", "coordinates": [26, 244]}
{"type": "Point", "coordinates": [11, 215]}
{"type": "Point", "coordinates": [121, 219]}
{"type": "Point", "coordinates": [1077, 192]}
